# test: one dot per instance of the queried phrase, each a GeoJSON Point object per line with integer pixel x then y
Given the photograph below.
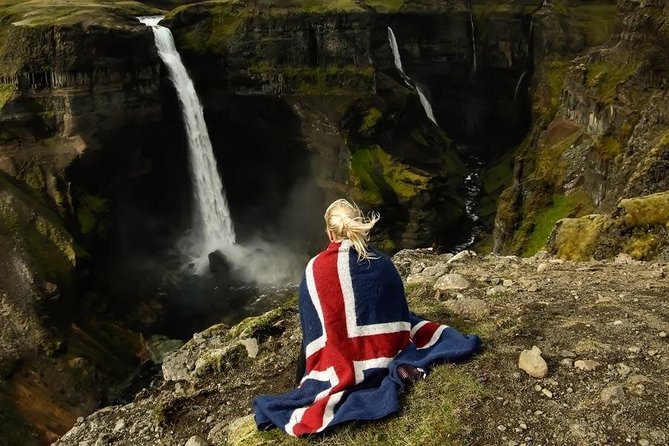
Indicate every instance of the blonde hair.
{"type": "Point", "coordinates": [346, 221]}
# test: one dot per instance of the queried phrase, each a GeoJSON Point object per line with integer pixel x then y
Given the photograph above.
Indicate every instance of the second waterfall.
{"type": "Point", "coordinates": [212, 225]}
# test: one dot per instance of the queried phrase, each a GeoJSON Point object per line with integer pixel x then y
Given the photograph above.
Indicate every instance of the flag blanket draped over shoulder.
{"type": "Point", "coordinates": [357, 329]}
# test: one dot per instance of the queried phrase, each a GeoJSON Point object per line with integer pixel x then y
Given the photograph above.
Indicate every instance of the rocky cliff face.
{"type": "Point", "coordinates": [600, 128]}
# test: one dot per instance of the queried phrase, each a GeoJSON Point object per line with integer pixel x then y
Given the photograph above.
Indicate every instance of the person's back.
{"type": "Point", "coordinates": [360, 340]}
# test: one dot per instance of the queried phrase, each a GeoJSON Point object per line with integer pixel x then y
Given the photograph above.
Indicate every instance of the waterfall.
{"type": "Point", "coordinates": [520, 80]}
{"type": "Point", "coordinates": [212, 224]}
{"type": "Point", "coordinates": [407, 80]}
{"type": "Point", "coordinates": [473, 31]}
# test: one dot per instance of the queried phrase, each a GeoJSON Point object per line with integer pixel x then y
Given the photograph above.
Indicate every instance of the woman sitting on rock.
{"type": "Point", "coordinates": [360, 342]}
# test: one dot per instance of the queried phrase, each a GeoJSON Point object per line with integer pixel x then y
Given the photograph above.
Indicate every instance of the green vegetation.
{"type": "Point", "coordinates": [551, 77]}
{"type": "Point", "coordinates": [213, 24]}
{"type": "Point", "coordinates": [562, 206]}
{"type": "Point", "coordinates": [549, 166]}
{"type": "Point", "coordinates": [577, 238]}
{"type": "Point", "coordinates": [604, 75]}
{"type": "Point", "coordinates": [6, 93]}
{"type": "Point", "coordinates": [595, 21]}
{"type": "Point", "coordinates": [370, 120]}
{"type": "Point", "coordinates": [377, 175]}
{"type": "Point", "coordinates": [649, 210]}
{"type": "Point", "coordinates": [385, 5]}
{"type": "Point", "coordinates": [49, 245]}
{"type": "Point", "coordinates": [316, 81]}
{"type": "Point", "coordinates": [608, 148]}
{"type": "Point", "coordinates": [642, 245]}
{"type": "Point", "coordinates": [111, 13]}
{"type": "Point", "coordinates": [90, 211]}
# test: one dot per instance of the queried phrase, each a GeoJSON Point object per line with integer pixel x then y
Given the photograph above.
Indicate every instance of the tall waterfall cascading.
{"type": "Point", "coordinates": [212, 224]}
{"type": "Point", "coordinates": [473, 31]}
{"type": "Point", "coordinates": [407, 80]}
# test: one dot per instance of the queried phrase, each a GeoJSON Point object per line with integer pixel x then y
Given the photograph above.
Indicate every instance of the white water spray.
{"type": "Point", "coordinates": [473, 31]}
{"type": "Point", "coordinates": [212, 224]}
{"type": "Point", "coordinates": [407, 80]}
{"type": "Point", "coordinates": [520, 81]}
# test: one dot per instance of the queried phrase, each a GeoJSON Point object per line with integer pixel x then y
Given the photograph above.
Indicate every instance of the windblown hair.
{"type": "Point", "coordinates": [346, 221]}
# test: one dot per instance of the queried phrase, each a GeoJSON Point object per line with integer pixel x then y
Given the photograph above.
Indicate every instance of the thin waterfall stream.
{"type": "Point", "coordinates": [407, 80]}
{"type": "Point", "coordinates": [473, 31]}
{"type": "Point", "coordinates": [212, 224]}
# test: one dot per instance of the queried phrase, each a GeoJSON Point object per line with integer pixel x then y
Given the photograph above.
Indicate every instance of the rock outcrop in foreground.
{"type": "Point", "coordinates": [601, 327]}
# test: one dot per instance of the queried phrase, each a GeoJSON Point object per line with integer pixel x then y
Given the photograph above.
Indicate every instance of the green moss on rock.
{"type": "Point", "coordinates": [577, 238]}
{"type": "Point", "coordinates": [90, 212]}
{"type": "Point", "coordinates": [370, 120]}
{"type": "Point", "coordinates": [649, 210]}
{"type": "Point", "coordinates": [6, 94]}
{"type": "Point", "coordinates": [605, 74]}
{"type": "Point", "coordinates": [377, 175]}
{"type": "Point", "coordinates": [561, 206]}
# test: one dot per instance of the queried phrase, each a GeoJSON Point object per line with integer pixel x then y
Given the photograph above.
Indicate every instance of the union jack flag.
{"type": "Point", "coordinates": [357, 329]}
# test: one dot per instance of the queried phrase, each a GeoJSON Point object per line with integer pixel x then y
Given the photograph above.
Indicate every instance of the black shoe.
{"type": "Point", "coordinates": [410, 374]}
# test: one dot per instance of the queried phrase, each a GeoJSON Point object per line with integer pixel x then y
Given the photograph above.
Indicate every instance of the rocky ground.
{"type": "Point", "coordinates": [600, 326]}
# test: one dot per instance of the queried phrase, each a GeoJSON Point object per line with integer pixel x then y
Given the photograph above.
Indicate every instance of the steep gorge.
{"type": "Point", "coordinates": [303, 105]}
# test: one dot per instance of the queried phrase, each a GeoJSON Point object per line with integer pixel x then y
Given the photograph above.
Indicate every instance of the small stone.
{"type": "Point", "coordinates": [663, 334]}
{"type": "Point", "coordinates": [497, 289]}
{"type": "Point", "coordinates": [634, 349]}
{"type": "Point", "coordinates": [618, 322]}
{"type": "Point", "coordinates": [416, 279]}
{"type": "Point", "coordinates": [496, 281]}
{"type": "Point", "coordinates": [523, 426]}
{"type": "Point", "coordinates": [537, 388]}
{"type": "Point", "coordinates": [587, 365]}
{"type": "Point", "coordinates": [120, 425]}
{"type": "Point", "coordinates": [567, 354]}
{"type": "Point", "coordinates": [451, 282]}
{"type": "Point", "coordinates": [644, 442]}
{"type": "Point", "coordinates": [542, 267]}
{"type": "Point", "coordinates": [251, 345]}
{"type": "Point", "coordinates": [538, 412]}
{"type": "Point", "coordinates": [652, 352]}
{"type": "Point", "coordinates": [613, 395]}
{"type": "Point", "coordinates": [547, 393]}
{"type": "Point", "coordinates": [570, 390]}
{"type": "Point", "coordinates": [80, 419]}
{"type": "Point", "coordinates": [501, 427]}
{"type": "Point", "coordinates": [531, 362]}
{"type": "Point", "coordinates": [637, 379]}
{"type": "Point", "coordinates": [462, 256]}
{"type": "Point", "coordinates": [196, 440]}
{"type": "Point", "coordinates": [507, 283]}
{"type": "Point", "coordinates": [568, 362]}
{"type": "Point", "coordinates": [533, 288]}
{"type": "Point", "coordinates": [436, 270]}
{"type": "Point", "coordinates": [467, 307]}
{"type": "Point", "coordinates": [623, 369]}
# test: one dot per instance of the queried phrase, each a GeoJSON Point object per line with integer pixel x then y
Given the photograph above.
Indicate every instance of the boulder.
{"type": "Point", "coordinates": [531, 362]}
{"type": "Point", "coordinates": [449, 282]}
